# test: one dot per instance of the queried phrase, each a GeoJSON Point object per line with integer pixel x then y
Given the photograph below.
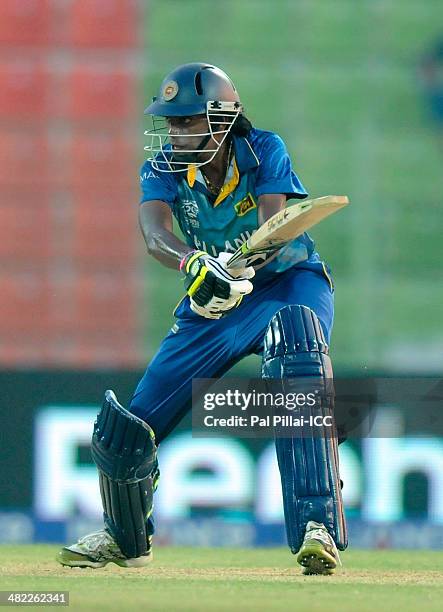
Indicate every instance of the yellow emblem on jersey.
{"type": "Point", "coordinates": [245, 205]}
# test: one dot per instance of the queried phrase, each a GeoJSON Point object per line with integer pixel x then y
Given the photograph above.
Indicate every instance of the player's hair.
{"type": "Point", "coordinates": [241, 126]}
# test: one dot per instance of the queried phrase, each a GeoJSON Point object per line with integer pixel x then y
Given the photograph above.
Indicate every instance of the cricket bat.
{"type": "Point", "coordinates": [284, 226]}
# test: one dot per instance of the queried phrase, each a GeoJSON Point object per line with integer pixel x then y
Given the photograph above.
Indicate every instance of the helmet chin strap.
{"type": "Point", "coordinates": [204, 141]}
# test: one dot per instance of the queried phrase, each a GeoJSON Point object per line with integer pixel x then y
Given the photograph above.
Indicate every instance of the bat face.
{"type": "Point", "coordinates": [284, 226]}
{"type": "Point", "coordinates": [277, 220]}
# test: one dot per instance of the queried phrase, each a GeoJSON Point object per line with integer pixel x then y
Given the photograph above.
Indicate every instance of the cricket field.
{"type": "Point", "coordinates": [234, 579]}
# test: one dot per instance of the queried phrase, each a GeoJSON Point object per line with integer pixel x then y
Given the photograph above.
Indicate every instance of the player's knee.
{"type": "Point", "coordinates": [294, 328]}
{"type": "Point", "coordinates": [295, 344]}
{"type": "Point", "coordinates": [123, 446]}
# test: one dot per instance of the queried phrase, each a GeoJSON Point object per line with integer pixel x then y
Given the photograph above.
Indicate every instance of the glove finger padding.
{"type": "Point", "coordinates": [241, 287]}
{"type": "Point", "coordinates": [215, 309]}
{"type": "Point", "coordinates": [204, 312]}
{"type": "Point", "coordinates": [238, 285]}
{"type": "Point", "coordinates": [247, 272]}
{"type": "Point", "coordinates": [212, 289]}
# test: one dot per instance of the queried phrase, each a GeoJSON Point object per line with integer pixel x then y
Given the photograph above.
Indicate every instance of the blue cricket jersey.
{"type": "Point", "coordinates": [260, 165]}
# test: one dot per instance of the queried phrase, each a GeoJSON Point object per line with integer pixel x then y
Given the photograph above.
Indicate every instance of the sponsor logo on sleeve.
{"type": "Point", "coordinates": [147, 175]}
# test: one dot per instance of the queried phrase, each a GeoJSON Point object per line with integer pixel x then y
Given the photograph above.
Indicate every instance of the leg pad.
{"type": "Point", "coordinates": [295, 348]}
{"type": "Point", "coordinates": [123, 448]}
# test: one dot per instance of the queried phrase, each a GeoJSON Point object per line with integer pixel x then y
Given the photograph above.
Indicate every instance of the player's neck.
{"type": "Point", "coordinates": [216, 169]}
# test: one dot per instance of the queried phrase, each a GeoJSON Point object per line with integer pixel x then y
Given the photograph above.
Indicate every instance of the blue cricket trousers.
{"type": "Point", "coordinates": [207, 348]}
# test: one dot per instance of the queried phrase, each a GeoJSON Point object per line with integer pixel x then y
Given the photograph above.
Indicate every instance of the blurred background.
{"type": "Point", "coordinates": [356, 91]}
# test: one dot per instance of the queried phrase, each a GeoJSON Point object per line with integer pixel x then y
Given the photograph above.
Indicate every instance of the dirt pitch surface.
{"type": "Point", "coordinates": [234, 579]}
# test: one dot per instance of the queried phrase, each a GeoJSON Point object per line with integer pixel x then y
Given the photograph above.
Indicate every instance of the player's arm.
{"type": "Point", "coordinates": [268, 205]}
{"type": "Point", "coordinates": [155, 218]}
{"type": "Point", "coordinates": [213, 291]}
{"type": "Point", "coordinates": [276, 182]}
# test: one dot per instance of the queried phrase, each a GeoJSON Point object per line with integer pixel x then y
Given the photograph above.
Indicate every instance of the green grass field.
{"type": "Point", "coordinates": [233, 579]}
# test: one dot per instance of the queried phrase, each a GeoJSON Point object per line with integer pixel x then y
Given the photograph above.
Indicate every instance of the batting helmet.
{"type": "Point", "coordinates": [192, 89]}
{"type": "Point", "coordinates": [187, 90]}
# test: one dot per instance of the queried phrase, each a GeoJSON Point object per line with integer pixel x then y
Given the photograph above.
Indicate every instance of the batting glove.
{"type": "Point", "coordinates": [213, 290]}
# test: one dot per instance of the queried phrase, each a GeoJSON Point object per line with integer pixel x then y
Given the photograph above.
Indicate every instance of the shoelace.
{"type": "Point", "coordinates": [319, 534]}
{"type": "Point", "coordinates": [323, 536]}
{"type": "Point", "coordinates": [97, 539]}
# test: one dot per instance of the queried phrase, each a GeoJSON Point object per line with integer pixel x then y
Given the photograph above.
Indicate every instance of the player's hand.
{"type": "Point", "coordinates": [215, 311]}
{"type": "Point", "coordinates": [245, 272]}
{"type": "Point", "coordinates": [212, 289]}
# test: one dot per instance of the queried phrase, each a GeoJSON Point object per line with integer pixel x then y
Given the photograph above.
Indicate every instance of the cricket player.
{"type": "Point", "coordinates": [220, 178]}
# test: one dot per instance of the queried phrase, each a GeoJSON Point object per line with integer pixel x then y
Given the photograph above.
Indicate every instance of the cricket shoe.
{"type": "Point", "coordinates": [97, 550]}
{"type": "Point", "coordinates": [318, 553]}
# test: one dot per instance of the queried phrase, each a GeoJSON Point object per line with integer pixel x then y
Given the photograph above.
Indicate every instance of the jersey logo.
{"type": "Point", "coordinates": [190, 209]}
{"type": "Point", "coordinates": [245, 205]}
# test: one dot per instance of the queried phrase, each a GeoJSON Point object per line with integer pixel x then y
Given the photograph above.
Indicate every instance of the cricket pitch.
{"type": "Point", "coordinates": [198, 579]}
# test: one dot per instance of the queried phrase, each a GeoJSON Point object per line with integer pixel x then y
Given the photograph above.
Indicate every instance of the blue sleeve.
{"type": "Point", "coordinates": [275, 174]}
{"type": "Point", "coordinates": [156, 185]}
